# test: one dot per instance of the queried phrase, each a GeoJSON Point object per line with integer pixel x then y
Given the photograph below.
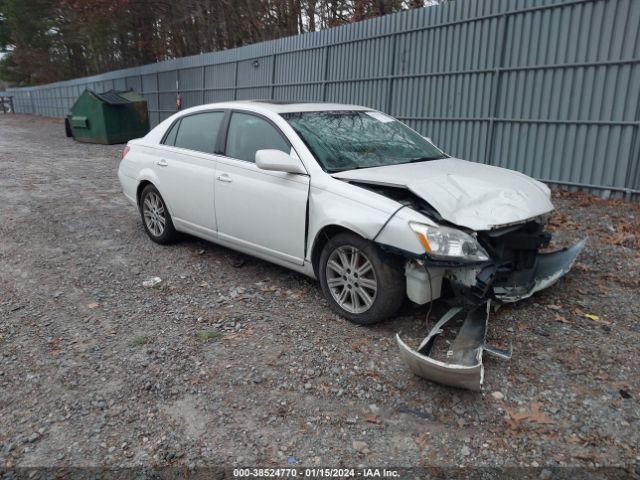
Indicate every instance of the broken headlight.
{"type": "Point", "coordinates": [443, 243]}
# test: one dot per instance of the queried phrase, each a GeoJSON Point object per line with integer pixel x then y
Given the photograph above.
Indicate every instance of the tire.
{"type": "Point", "coordinates": [345, 287]}
{"type": "Point", "coordinates": [155, 216]}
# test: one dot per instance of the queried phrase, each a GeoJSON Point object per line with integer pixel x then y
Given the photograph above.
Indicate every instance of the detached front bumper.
{"type": "Point", "coordinates": [463, 366]}
{"type": "Point", "coordinates": [467, 373]}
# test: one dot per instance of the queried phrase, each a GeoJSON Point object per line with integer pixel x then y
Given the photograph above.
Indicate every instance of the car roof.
{"type": "Point", "coordinates": [258, 106]}
{"type": "Point", "coordinates": [278, 106]}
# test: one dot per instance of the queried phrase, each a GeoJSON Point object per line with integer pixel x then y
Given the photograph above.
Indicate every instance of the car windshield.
{"type": "Point", "coordinates": [347, 140]}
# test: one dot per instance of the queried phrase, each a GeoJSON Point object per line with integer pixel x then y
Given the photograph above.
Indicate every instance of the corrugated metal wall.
{"type": "Point", "coordinates": [547, 87]}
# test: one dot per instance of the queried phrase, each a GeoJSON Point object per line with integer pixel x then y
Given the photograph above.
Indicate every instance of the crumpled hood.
{"type": "Point", "coordinates": [468, 194]}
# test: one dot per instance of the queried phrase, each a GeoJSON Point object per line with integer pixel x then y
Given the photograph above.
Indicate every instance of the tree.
{"type": "Point", "coordinates": [51, 40]}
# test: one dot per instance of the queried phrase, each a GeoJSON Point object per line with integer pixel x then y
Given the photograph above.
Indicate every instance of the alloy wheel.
{"type": "Point", "coordinates": [154, 213]}
{"type": "Point", "coordinates": [351, 279]}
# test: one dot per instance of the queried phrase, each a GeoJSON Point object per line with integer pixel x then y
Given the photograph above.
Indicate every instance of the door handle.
{"type": "Point", "coordinates": [162, 163]}
{"type": "Point", "coordinates": [224, 178]}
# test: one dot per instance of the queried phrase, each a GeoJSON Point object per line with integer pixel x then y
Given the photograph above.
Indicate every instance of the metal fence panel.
{"type": "Point", "coordinates": [299, 93]}
{"type": "Point", "coordinates": [220, 76]}
{"type": "Point", "coordinates": [299, 67]}
{"type": "Point", "coordinates": [547, 87]}
{"type": "Point", "coordinates": [213, 96]}
{"type": "Point", "coordinates": [134, 83]}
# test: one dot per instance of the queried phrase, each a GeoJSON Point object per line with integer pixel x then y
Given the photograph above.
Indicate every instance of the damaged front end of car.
{"type": "Point", "coordinates": [483, 237]}
{"type": "Point", "coordinates": [506, 265]}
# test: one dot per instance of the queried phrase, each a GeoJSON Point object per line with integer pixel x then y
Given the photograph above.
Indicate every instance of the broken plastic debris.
{"type": "Point", "coordinates": [463, 367]}
{"type": "Point", "coordinates": [549, 269]}
{"type": "Point", "coordinates": [151, 282]}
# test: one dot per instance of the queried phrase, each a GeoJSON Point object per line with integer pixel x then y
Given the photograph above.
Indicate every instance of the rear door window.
{"type": "Point", "coordinates": [248, 133]}
{"type": "Point", "coordinates": [170, 139]}
{"type": "Point", "coordinates": [199, 131]}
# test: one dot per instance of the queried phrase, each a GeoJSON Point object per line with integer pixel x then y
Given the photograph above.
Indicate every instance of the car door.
{"type": "Point", "coordinates": [262, 211]}
{"type": "Point", "coordinates": [186, 168]}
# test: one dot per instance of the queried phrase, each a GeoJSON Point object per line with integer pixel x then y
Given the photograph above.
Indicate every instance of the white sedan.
{"type": "Point", "coordinates": [348, 195]}
{"type": "Point", "coordinates": [341, 193]}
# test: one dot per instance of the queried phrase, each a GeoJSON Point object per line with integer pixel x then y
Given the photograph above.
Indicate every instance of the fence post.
{"type": "Point", "coordinates": [177, 91]}
{"type": "Point", "coordinates": [204, 82]}
{"type": "Point", "coordinates": [392, 73]}
{"type": "Point", "coordinates": [158, 96]}
{"type": "Point", "coordinates": [235, 81]}
{"type": "Point", "coordinates": [325, 73]}
{"type": "Point", "coordinates": [495, 90]}
{"type": "Point", "coordinates": [273, 76]}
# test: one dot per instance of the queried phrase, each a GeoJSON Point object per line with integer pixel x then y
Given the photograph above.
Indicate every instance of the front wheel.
{"type": "Point", "coordinates": [360, 282]}
{"type": "Point", "coordinates": [155, 216]}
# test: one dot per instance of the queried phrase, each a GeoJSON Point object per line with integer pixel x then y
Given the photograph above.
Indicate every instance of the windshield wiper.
{"type": "Point", "coordinates": [425, 159]}
{"type": "Point", "coordinates": [337, 170]}
{"type": "Point", "coordinates": [355, 167]}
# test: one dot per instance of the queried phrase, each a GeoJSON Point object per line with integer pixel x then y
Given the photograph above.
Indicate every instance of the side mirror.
{"type": "Point", "coordinates": [278, 161]}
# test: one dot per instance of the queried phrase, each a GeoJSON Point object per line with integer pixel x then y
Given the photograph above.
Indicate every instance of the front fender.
{"type": "Point", "coordinates": [327, 209]}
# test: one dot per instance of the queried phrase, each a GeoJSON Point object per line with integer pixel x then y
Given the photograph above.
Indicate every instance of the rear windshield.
{"type": "Point", "coordinates": [347, 140]}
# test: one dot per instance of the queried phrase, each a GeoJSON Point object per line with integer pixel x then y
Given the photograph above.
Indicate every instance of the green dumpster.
{"type": "Point", "coordinates": [109, 117]}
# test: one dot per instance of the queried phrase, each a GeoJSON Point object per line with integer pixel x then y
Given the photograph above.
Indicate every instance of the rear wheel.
{"type": "Point", "coordinates": [361, 283]}
{"type": "Point", "coordinates": [155, 216]}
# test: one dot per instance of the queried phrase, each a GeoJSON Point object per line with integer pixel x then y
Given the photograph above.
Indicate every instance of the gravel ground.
{"type": "Point", "coordinates": [231, 360]}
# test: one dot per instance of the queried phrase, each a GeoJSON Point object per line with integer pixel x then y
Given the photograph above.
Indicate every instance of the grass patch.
{"type": "Point", "coordinates": [138, 341]}
{"type": "Point", "coordinates": [207, 335]}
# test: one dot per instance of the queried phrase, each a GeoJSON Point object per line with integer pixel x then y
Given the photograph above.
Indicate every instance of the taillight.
{"type": "Point", "coordinates": [124, 152]}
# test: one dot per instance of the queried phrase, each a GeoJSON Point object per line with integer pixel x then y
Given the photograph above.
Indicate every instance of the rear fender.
{"type": "Point", "coordinates": [148, 175]}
